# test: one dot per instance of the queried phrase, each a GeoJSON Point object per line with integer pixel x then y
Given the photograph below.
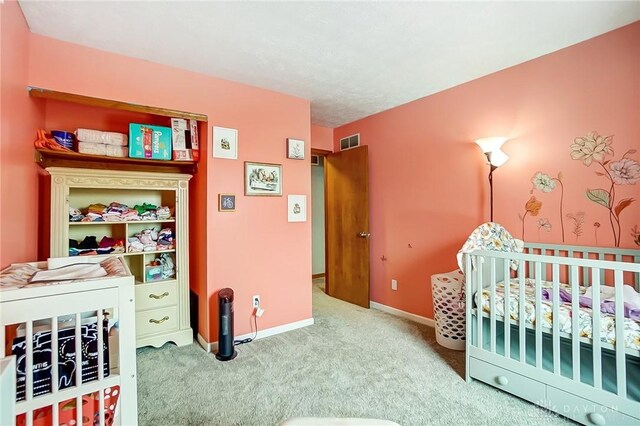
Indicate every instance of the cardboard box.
{"type": "Point", "coordinates": [195, 145]}
{"type": "Point", "coordinates": [185, 140]}
{"type": "Point", "coordinates": [152, 142]}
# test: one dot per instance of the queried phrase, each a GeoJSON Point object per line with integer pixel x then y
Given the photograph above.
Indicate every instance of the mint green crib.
{"type": "Point", "coordinates": [580, 363]}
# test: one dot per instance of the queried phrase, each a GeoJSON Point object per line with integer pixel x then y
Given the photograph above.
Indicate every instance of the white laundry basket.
{"type": "Point", "coordinates": [449, 309]}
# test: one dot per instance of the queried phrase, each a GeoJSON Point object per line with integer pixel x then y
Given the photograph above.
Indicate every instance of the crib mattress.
{"type": "Point", "coordinates": [585, 321]}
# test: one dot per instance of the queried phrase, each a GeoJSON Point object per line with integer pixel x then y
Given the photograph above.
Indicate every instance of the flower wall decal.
{"type": "Point", "coordinates": [543, 224]}
{"type": "Point", "coordinates": [531, 207]}
{"type": "Point", "coordinates": [594, 148]}
{"type": "Point", "coordinates": [578, 221]}
{"type": "Point", "coordinates": [546, 183]}
{"type": "Point", "coordinates": [635, 233]}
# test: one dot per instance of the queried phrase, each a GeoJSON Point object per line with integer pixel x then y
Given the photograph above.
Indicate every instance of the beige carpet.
{"type": "Point", "coordinates": [353, 362]}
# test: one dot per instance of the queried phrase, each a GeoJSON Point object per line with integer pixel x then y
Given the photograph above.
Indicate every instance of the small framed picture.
{"type": "Point", "coordinates": [297, 208]}
{"type": "Point", "coordinates": [226, 202]}
{"type": "Point", "coordinates": [225, 143]}
{"type": "Point", "coordinates": [295, 149]}
{"type": "Point", "coordinates": [262, 179]}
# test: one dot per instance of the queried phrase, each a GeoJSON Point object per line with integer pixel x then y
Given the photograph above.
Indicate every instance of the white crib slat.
{"type": "Point", "coordinates": [585, 271]}
{"type": "Point", "coordinates": [620, 346]}
{"type": "Point", "coordinates": [595, 324]}
{"type": "Point", "coordinates": [54, 369]}
{"type": "Point", "coordinates": [521, 320]}
{"type": "Point", "coordinates": [538, 267]}
{"type": "Point", "coordinates": [469, 283]}
{"type": "Point", "coordinates": [601, 256]}
{"type": "Point", "coordinates": [29, 360]}
{"type": "Point", "coordinates": [507, 308]}
{"type": "Point", "coordinates": [3, 338]}
{"type": "Point", "coordinates": [480, 298]}
{"type": "Point", "coordinates": [99, 327]}
{"type": "Point", "coordinates": [575, 315]}
{"type": "Point", "coordinates": [29, 415]}
{"type": "Point", "coordinates": [636, 276]}
{"type": "Point", "coordinates": [492, 302]}
{"type": "Point", "coordinates": [543, 275]}
{"type": "Point", "coordinates": [78, 341]}
{"type": "Point", "coordinates": [556, 316]}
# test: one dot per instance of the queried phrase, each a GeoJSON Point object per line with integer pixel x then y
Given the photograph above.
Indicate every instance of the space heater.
{"type": "Point", "coordinates": [226, 351]}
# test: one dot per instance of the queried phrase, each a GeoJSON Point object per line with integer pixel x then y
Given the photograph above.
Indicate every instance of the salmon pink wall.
{"type": "Point", "coordinates": [428, 182]}
{"type": "Point", "coordinates": [253, 250]}
{"type": "Point", "coordinates": [19, 120]}
{"type": "Point", "coordinates": [321, 137]}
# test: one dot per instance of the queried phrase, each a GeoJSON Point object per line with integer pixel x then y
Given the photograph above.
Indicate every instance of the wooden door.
{"type": "Point", "coordinates": [347, 225]}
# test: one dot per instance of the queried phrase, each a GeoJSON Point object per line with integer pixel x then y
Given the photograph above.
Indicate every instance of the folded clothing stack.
{"type": "Point", "coordinates": [96, 142]}
{"type": "Point", "coordinates": [151, 240]}
{"type": "Point", "coordinates": [118, 212]}
{"type": "Point", "coordinates": [90, 246]}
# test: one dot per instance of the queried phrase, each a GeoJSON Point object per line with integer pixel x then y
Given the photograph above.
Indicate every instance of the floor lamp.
{"type": "Point", "coordinates": [495, 156]}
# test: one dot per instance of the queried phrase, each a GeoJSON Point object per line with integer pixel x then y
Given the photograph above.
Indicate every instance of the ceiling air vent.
{"type": "Point", "coordinates": [350, 142]}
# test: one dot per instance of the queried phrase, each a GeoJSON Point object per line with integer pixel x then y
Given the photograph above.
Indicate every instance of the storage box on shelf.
{"type": "Point", "coordinates": [162, 305]}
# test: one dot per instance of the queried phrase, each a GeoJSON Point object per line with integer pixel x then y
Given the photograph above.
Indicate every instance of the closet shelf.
{"type": "Point", "coordinates": [135, 253]}
{"type": "Point", "coordinates": [37, 92]}
{"type": "Point", "coordinates": [49, 158]}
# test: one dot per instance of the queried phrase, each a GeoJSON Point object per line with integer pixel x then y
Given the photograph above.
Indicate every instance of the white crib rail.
{"type": "Point", "coordinates": [53, 302]}
{"type": "Point", "coordinates": [593, 270]}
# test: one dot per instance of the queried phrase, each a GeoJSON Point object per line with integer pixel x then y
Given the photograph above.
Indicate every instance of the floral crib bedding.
{"type": "Point", "coordinates": [585, 327]}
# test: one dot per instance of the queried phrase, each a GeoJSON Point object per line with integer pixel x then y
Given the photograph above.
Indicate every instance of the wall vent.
{"type": "Point", "coordinates": [350, 142]}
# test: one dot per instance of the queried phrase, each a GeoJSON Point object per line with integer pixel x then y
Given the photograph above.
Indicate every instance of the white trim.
{"type": "Point", "coordinates": [206, 346]}
{"type": "Point", "coordinates": [403, 314]}
{"type": "Point", "coordinates": [213, 346]}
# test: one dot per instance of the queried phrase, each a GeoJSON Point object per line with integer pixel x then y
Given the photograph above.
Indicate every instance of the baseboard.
{"type": "Point", "coordinates": [213, 346]}
{"type": "Point", "coordinates": [314, 276]}
{"type": "Point", "coordinates": [403, 314]}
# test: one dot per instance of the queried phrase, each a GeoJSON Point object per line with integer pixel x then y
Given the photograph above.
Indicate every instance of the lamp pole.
{"type": "Point", "coordinates": [492, 168]}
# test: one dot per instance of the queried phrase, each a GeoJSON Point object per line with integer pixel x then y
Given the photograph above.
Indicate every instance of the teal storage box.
{"type": "Point", "coordinates": [151, 142]}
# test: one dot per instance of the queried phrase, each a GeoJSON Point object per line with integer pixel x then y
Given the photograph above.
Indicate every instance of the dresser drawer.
{"type": "Point", "coordinates": [585, 411]}
{"type": "Point", "coordinates": [508, 381]}
{"type": "Point", "coordinates": [156, 295]}
{"type": "Point", "coordinates": [156, 321]}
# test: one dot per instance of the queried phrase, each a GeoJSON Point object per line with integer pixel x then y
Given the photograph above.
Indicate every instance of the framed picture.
{"type": "Point", "coordinates": [226, 203]}
{"type": "Point", "coordinates": [295, 149]}
{"type": "Point", "coordinates": [297, 208]}
{"type": "Point", "coordinates": [262, 179]}
{"type": "Point", "coordinates": [225, 143]}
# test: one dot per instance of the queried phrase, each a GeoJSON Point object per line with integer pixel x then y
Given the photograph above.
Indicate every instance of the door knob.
{"type": "Point", "coordinates": [364, 234]}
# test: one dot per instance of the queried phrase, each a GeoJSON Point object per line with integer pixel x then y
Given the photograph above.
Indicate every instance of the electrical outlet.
{"type": "Point", "coordinates": [256, 301]}
{"type": "Point", "coordinates": [394, 284]}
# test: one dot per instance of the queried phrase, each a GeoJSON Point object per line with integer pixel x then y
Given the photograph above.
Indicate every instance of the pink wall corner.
{"type": "Point", "coordinates": [21, 117]}
{"type": "Point", "coordinates": [321, 137]}
{"type": "Point", "coordinates": [422, 156]}
{"type": "Point", "coordinates": [253, 250]}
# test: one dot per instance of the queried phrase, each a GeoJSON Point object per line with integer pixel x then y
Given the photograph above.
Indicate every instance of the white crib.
{"type": "Point", "coordinates": [70, 312]}
{"type": "Point", "coordinates": [535, 348]}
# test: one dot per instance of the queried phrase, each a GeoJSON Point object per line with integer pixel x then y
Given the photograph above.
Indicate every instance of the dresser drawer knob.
{"type": "Point", "coordinates": [155, 296]}
{"type": "Point", "coordinates": [597, 419]}
{"type": "Point", "coordinates": [502, 380]}
{"type": "Point", "coordinates": [155, 321]}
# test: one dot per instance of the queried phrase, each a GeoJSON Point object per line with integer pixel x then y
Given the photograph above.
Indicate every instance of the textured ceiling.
{"type": "Point", "coordinates": [350, 59]}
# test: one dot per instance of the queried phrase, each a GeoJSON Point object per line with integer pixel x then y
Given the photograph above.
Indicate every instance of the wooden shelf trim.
{"type": "Point", "coordinates": [37, 92]}
{"type": "Point", "coordinates": [49, 158]}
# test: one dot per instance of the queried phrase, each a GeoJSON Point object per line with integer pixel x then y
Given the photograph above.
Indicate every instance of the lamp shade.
{"type": "Point", "coordinates": [491, 144]}
{"type": "Point", "coordinates": [497, 158]}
